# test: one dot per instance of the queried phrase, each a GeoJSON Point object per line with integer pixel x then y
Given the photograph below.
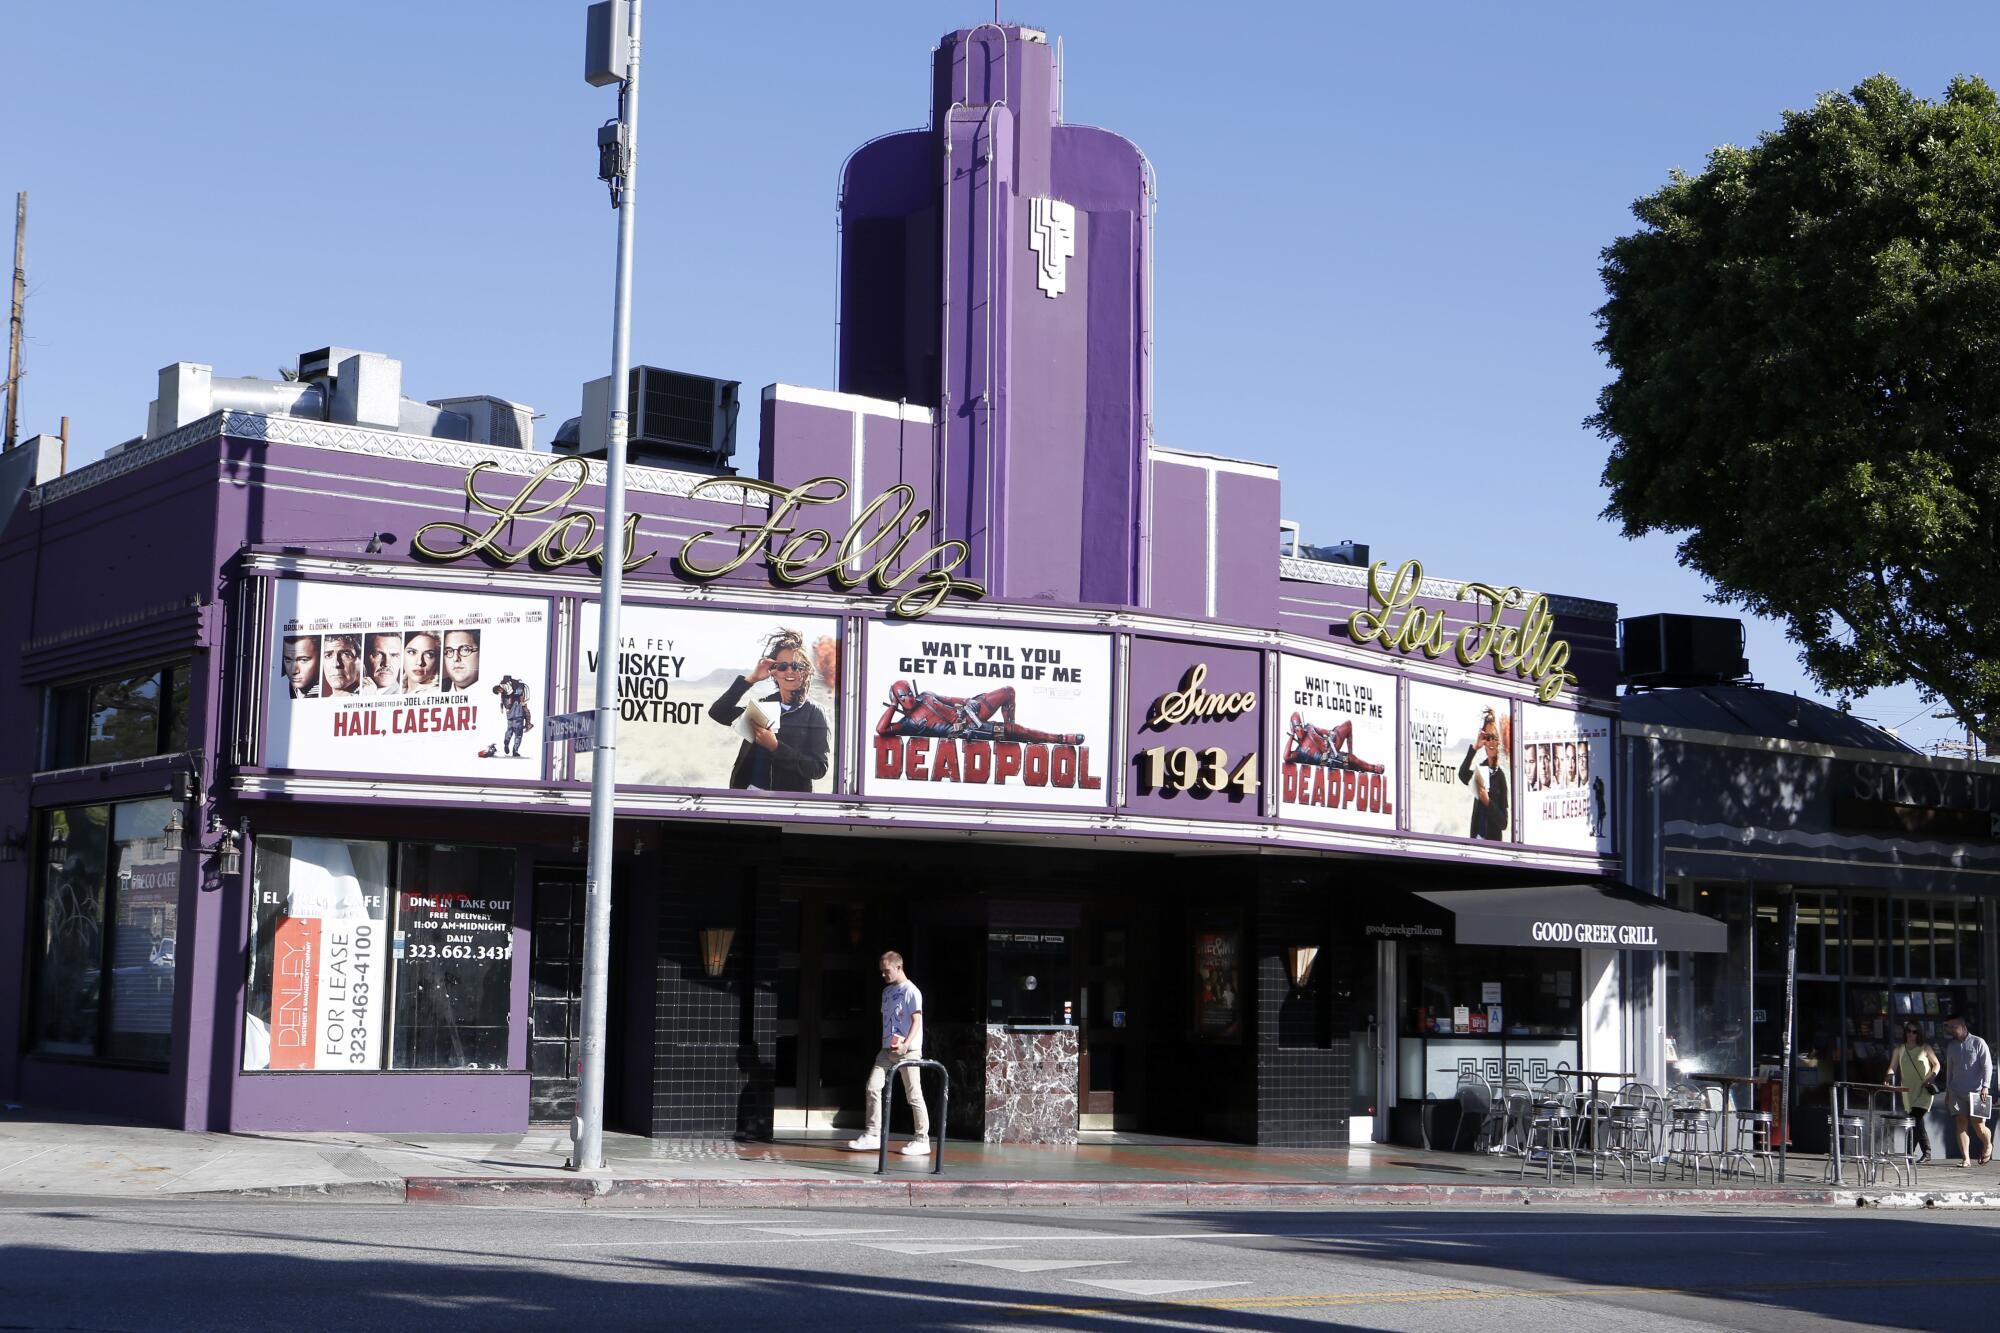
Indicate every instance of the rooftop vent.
{"type": "Point", "coordinates": [678, 420]}
{"type": "Point", "coordinates": [1340, 553]}
{"type": "Point", "coordinates": [1669, 650]}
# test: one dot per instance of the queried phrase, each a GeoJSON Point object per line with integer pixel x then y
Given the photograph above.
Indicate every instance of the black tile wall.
{"type": "Point", "coordinates": [714, 1038]}
{"type": "Point", "coordinates": [1304, 1064]}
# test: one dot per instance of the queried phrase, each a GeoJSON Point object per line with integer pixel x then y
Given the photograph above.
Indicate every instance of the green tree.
{"type": "Point", "coordinates": [1805, 339]}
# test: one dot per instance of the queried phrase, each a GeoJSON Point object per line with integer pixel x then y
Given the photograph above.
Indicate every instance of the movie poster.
{"type": "Point", "coordinates": [1218, 1014]}
{"type": "Point", "coordinates": [978, 713]}
{"type": "Point", "coordinates": [406, 681]}
{"type": "Point", "coordinates": [1462, 770]}
{"type": "Point", "coordinates": [1337, 745]}
{"type": "Point", "coordinates": [720, 700]}
{"type": "Point", "coordinates": [1565, 779]}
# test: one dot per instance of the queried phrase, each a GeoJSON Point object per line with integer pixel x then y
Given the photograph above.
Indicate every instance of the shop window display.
{"type": "Point", "coordinates": [1708, 1008]}
{"type": "Point", "coordinates": [109, 909]}
{"type": "Point", "coordinates": [350, 972]}
{"type": "Point", "coordinates": [1497, 1012]}
{"type": "Point", "coordinates": [1867, 965]}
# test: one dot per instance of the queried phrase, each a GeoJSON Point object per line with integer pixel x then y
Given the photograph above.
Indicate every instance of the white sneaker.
{"type": "Point", "coordinates": [916, 1148]}
{"type": "Point", "coordinates": [866, 1143]}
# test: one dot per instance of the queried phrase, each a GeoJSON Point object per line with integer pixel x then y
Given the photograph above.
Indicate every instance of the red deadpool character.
{"type": "Point", "coordinates": [984, 717]}
{"type": "Point", "coordinates": [1328, 749]}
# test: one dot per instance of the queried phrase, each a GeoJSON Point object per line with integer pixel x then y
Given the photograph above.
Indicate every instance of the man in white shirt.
{"type": "Point", "coordinates": [902, 1039]}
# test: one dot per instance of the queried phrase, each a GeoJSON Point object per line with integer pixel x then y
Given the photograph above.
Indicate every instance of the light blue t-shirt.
{"type": "Point", "coordinates": [901, 1003]}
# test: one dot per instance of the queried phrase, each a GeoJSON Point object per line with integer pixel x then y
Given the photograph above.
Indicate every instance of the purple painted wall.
{"type": "Point", "coordinates": [1041, 399]}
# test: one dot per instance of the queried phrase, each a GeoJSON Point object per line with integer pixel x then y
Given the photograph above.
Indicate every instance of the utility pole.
{"type": "Point", "coordinates": [617, 164]}
{"type": "Point", "coordinates": [14, 323]}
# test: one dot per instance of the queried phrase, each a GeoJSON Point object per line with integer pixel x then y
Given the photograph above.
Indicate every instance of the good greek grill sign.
{"type": "Point", "coordinates": [1586, 932]}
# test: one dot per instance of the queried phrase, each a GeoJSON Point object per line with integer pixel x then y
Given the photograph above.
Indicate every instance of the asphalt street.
{"type": "Point", "coordinates": [84, 1264]}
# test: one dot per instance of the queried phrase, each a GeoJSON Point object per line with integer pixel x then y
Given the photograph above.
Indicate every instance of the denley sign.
{"type": "Point", "coordinates": [793, 556]}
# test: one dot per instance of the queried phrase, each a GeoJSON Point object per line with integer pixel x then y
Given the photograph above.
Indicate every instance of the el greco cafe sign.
{"type": "Point", "coordinates": [874, 552]}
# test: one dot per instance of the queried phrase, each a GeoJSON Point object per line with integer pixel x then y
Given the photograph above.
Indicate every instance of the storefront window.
{"type": "Point", "coordinates": [454, 952]}
{"type": "Point", "coordinates": [109, 911]}
{"type": "Point", "coordinates": [116, 718]}
{"type": "Point", "coordinates": [326, 925]}
{"type": "Point", "coordinates": [145, 890]}
{"type": "Point", "coordinates": [1498, 1012]}
{"type": "Point", "coordinates": [1868, 964]}
{"type": "Point", "coordinates": [1708, 1017]}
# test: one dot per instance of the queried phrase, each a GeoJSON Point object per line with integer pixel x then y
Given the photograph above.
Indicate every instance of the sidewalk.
{"type": "Point", "coordinates": [67, 1157]}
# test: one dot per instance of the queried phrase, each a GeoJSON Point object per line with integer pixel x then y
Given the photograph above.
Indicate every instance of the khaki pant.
{"type": "Point", "coordinates": [913, 1088]}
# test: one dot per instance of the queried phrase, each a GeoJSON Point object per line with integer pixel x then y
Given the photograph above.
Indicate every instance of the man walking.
{"type": "Point", "coordinates": [1968, 1072]}
{"type": "Point", "coordinates": [902, 1039]}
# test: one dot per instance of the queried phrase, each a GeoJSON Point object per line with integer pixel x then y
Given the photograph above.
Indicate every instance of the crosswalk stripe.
{"type": "Point", "coordinates": [927, 1246]}
{"type": "Point", "coordinates": [1042, 1265]}
{"type": "Point", "coordinates": [1146, 1286]}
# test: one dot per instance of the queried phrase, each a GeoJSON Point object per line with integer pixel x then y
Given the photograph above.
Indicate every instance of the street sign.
{"type": "Point", "coordinates": [580, 728]}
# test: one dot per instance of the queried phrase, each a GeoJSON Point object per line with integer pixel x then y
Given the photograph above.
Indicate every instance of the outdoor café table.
{"type": "Point", "coordinates": [1873, 1090]}
{"type": "Point", "coordinates": [1729, 1084]}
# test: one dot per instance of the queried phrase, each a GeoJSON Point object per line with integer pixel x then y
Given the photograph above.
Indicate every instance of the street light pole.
{"type": "Point", "coordinates": [587, 1129]}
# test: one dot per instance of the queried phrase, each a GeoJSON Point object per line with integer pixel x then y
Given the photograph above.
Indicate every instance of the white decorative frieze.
{"type": "Point", "coordinates": [1052, 236]}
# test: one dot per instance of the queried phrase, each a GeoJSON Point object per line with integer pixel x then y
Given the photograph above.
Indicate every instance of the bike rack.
{"type": "Point", "coordinates": [937, 1122]}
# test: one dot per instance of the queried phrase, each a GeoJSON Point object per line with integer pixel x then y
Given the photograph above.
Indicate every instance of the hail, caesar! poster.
{"type": "Point", "coordinates": [406, 681]}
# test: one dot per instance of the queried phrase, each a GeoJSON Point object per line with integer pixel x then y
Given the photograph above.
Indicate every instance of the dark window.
{"type": "Point", "coordinates": [454, 951]}
{"type": "Point", "coordinates": [116, 718]}
{"type": "Point", "coordinates": [109, 916]}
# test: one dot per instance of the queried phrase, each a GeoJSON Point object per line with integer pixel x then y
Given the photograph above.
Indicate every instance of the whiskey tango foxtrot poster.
{"type": "Point", "coordinates": [1338, 744]}
{"type": "Point", "coordinates": [1462, 772]}
{"type": "Point", "coordinates": [978, 713]}
{"type": "Point", "coordinates": [406, 681]}
{"type": "Point", "coordinates": [720, 700]}
{"type": "Point", "coordinates": [1565, 779]}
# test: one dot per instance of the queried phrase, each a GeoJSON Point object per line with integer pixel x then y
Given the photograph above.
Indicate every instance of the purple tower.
{"type": "Point", "coordinates": [995, 269]}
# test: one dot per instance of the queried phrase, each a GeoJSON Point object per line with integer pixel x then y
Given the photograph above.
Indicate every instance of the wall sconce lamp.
{"type": "Point", "coordinates": [228, 851]}
{"type": "Point", "coordinates": [58, 848]}
{"type": "Point", "coordinates": [715, 943]}
{"type": "Point", "coordinates": [229, 855]}
{"type": "Point", "coordinates": [174, 834]}
{"type": "Point", "coordinates": [12, 845]}
{"type": "Point", "coordinates": [1299, 963]}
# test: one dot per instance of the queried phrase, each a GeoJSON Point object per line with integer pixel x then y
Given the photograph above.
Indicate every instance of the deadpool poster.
{"type": "Point", "coordinates": [1336, 744]}
{"type": "Point", "coordinates": [986, 714]}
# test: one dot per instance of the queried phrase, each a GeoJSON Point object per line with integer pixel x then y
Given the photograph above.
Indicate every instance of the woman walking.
{"type": "Point", "coordinates": [1915, 1067]}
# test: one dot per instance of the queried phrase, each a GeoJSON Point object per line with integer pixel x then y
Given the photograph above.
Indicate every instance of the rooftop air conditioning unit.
{"type": "Point", "coordinates": [678, 420]}
{"type": "Point", "coordinates": [1682, 650]}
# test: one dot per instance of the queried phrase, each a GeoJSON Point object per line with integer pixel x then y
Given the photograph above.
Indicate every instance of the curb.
{"type": "Point", "coordinates": [339, 1191]}
{"type": "Point", "coordinates": [556, 1193]}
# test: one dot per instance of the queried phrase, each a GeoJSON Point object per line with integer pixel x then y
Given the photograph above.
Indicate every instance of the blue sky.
{"type": "Point", "coordinates": [1378, 236]}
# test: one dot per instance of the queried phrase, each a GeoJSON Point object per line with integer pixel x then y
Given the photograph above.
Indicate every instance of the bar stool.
{"type": "Point", "coordinates": [1753, 1143]}
{"type": "Point", "coordinates": [1891, 1147]}
{"type": "Point", "coordinates": [1853, 1143]}
{"type": "Point", "coordinates": [1550, 1137]}
{"type": "Point", "coordinates": [1694, 1132]}
{"type": "Point", "coordinates": [1631, 1124]}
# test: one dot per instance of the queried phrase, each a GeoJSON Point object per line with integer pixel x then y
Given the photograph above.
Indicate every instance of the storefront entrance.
{"type": "Point", "coordinates": [1013, 940]}
{"type": "Point", "coordinates": [555, 1005]}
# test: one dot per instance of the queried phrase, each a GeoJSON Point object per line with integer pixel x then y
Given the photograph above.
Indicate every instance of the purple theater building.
{"type": "Point", "coordinates": [1182, 826]}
